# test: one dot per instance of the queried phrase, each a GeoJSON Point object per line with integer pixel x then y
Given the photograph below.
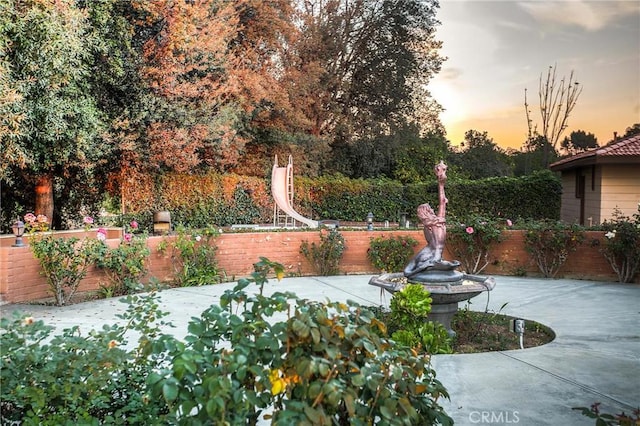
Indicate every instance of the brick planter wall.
{"type": "Point", "coordinates": [20, 278]}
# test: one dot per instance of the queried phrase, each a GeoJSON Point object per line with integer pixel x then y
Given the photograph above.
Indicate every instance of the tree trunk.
{"type": "Point", "coordinates": [44, 197]}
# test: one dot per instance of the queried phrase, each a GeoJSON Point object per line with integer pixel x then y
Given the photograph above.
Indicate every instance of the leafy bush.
{"type": "Point", "coordinates": [535, 196]}
{"type": "Point", "coordinates": [391, 254]}
{"type": "Point", "coordinates": [622, 245]}
{"type": "Point", "coordinates": [607, 419]}
{"type": "Point", "coordinates": [410, 308]}
{"type": "Point", "coordinates": [193, 256]}
{"type": "Point", "coordinates": [550, 242]}
{"type": "Point", "coordinates": [325, 256]}
{"type": "Point", "coordinates": [341, 198]}
{"type": "Point", "coordinates": [470, 241]}
{"type": "Point", "coordinates": [65, 262]}
{"type": "Point", "coordinates": [125, 265]}
{"type": "Point", "coordinates": [324, 365]}
{"type": "Point", "coordinates": [198, 201]}
{"type": "Point", "coordinates": [75, 379]}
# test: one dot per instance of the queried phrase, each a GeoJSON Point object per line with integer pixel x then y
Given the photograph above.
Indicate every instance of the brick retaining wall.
{"type": "Point", "coordinates": [20, 278]}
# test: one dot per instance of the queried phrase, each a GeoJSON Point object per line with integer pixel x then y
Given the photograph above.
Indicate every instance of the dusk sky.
{"type": "Point", "coordinates": [496, 49]}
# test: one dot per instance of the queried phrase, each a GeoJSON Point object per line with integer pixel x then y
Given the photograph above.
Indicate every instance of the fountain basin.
{"type": "Point", "coordinates": [445, 296]}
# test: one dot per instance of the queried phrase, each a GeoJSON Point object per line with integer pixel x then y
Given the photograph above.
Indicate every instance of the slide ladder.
{"type": "Point", "coordinates": [282, 191]}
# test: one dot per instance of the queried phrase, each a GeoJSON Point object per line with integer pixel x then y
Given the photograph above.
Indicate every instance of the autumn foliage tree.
{"type": "Point", "coordinates": [138, 88]}
{"type": "Point", "coordinates": [212, 71]}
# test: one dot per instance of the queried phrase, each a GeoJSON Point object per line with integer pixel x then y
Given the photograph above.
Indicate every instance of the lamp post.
{"type": "Point", "coordinates": [370, 222]}
{"type": "Point", "coordinates": [18, 231]}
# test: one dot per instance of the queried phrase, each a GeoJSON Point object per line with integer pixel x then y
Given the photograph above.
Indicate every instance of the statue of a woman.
{"type": "Point", "coordinates": [435, 233]}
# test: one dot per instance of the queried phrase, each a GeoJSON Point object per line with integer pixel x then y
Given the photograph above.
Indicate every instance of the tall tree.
{"type": "Point", "coordinates": [579, 141]}
{"type": "Point", "coordinates": [48, 58]}
{"type": "Point", "coordinates": [368, 58]}
{"type": "Point", "coordinates": [12, 152]}
{"type": "Point", "coordinates": [415, 159]}
{"type": "Point", "coordinates": [481, 157]}
{"type": "Point", "coordinates": [536, 154]}
{"type": "Point", "coordinates": [632, 131]}
{"type": "Point", "coordinates": [214, 70]}
{"type": "Point", "coordinates": [184, 66]}
{"type": "Point", "coordinates": [556, 102]}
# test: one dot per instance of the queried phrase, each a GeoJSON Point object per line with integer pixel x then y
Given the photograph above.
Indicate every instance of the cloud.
{"type": "Point", "coordinates": [590, 15]}
{"type": "Point", "coordinates": [450, 73]}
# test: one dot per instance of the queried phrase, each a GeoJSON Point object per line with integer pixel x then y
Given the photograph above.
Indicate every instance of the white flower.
{"type": "Point", "coordinates": [610, 234]}
{"type": "Point", "coordinates": [198, 237]}
{"type": "Point", "coordinates": [220, 230]}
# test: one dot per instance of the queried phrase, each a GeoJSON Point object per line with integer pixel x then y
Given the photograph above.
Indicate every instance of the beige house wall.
{"type": "Point", "coordinates": [593, 195]}
{"type": "Point", "coordinates": [621, 189]}
{"type": "Point", "coordinates": [607, 187]}
{"type": "Point", "coordinates": [570, 204]}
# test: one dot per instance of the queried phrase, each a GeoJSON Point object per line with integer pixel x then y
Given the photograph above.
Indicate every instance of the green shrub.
{"type": "Point", "coordinates": [326, 363]}
{"type": "Point", "coordinates": [76, 379]}
{"type": "Point", "coordinates": [323, 365]}
{"type": "Point", "coordinates": [535, 196]}
{"type": "Point", "coordinates": [391, 254]}
{"type": "Point", "coordinates": [471, 239]}
{"type": "Point", "coordinates": [341, 198]}
{"type": "Point", "coordinates": [622, 245]}
{"type": "Point", "coordinates": [410, 308]}
{"type": "Point", "coordinates": [198, 201]}
{"type": "Point", "coordinates": [608, 419]}
{"type": "Point", "coordinates": [325, 256]}
{"type": "Point", "coordinates": [550, 242]}
{"type": "Point", "coordinates": [65, 262]}
{"type": "Point", "coordinates": [125, 265]}
{"type": "Point", "coordinates": [193, 256]}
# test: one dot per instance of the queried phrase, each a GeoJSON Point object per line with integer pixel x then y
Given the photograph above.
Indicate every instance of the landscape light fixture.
{"type": "Point", "coordinates": [370, 222]}
{"type": "Point", "coordinates": [18, 232]}
{"type": "Point", "coordinates": [517, 326]}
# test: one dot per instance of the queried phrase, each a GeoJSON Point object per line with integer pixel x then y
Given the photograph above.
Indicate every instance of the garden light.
{"type": "Point", "coordinates": [517, 326]}
{"type": "Point", "coordinates": [370, 222]}
{"type": "Point", "coordinates": [18, 231]}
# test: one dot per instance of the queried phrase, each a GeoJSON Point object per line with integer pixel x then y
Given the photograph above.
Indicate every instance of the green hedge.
{"type": "Point", "coordinates": [226, 200]}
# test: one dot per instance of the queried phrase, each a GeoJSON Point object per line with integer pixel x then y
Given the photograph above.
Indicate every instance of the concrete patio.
{"type": "Point", "coordinates": [594, 358]}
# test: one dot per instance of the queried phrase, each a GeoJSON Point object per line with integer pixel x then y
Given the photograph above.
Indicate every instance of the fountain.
{"type": "Point", "coordinates": [445, 283]}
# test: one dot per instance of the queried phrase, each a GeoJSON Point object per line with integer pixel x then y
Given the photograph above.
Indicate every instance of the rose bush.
{"type": "Point", "coordinates": [622, 245]}
{"type": "Point", "coordinates": [65, 261]}
{"type": "Point", "coordinates": [124, 265]}
{"type": "Point", "coordinates": [470, 240]}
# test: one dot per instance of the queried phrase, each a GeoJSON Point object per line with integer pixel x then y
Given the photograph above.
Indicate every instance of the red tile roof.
{"type": "Point", "coordinates": [622, 151]}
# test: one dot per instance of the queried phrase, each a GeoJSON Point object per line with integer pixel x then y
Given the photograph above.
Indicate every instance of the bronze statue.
{"type": "Point", "coordinates": [435, 233]}
{"type": "Point", "coordinates": [446, 285]}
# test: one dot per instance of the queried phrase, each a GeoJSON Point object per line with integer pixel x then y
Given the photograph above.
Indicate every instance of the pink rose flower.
{"type": "Point", "coordinates": [509, 223]}
{"type": "Point", "coordinates": [101, 234]}
{"type": "Point", "coordinates": [133, 224]}
{"type": "Point", "coordinates": [42, 218]}
{"type": "Point", "coordinates": [469, 230]}
{"type": "Point", "coordinates": [29, 218]}
{"type": "Point", "coordinates": [128, 237]}
{"type": "Point", "coordinates": [88, 220]}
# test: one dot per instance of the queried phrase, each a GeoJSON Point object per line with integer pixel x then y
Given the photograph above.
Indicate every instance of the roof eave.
{"type": "Point", "coordinates": [596, 160]}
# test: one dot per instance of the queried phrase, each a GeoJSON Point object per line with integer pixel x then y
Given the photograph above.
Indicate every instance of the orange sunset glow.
{"type": "Point", "coordinates": [497, 49]}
